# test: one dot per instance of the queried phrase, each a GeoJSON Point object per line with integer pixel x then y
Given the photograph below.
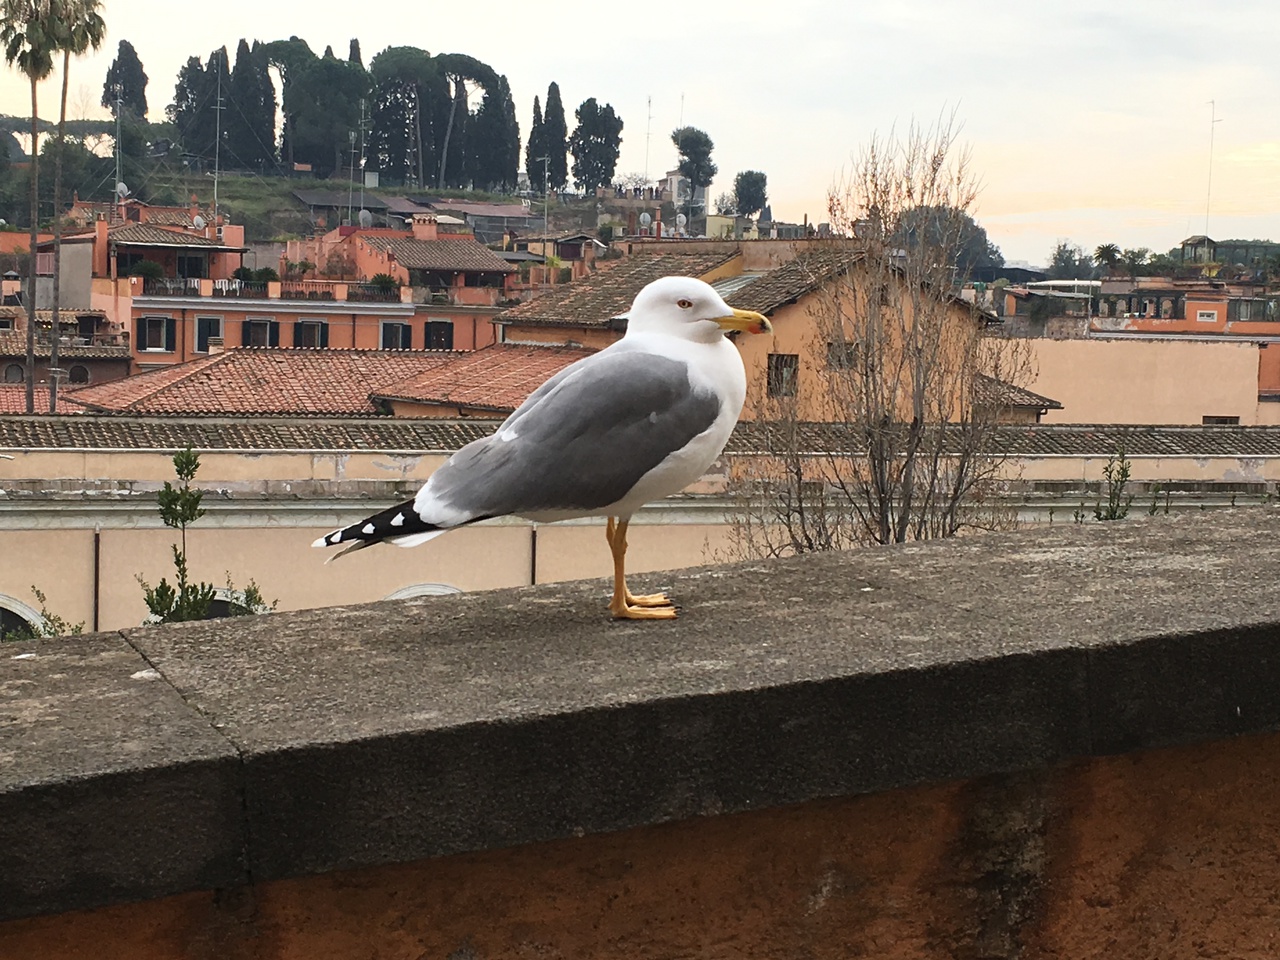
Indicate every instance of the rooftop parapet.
{"type": "Point", "coordinates": [245, 751]}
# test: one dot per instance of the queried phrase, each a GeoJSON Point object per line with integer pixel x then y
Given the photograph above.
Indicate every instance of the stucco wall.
{"type": "Point", "coordinates": [1170, 853]}
{"type": "Point", "coordinates": [1147, 381]}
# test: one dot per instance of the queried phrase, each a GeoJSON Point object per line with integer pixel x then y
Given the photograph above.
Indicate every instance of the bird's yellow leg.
{"type": "Point", "coordinates": [625, 605]}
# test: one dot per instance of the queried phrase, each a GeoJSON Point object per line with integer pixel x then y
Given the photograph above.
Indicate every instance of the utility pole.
{"type": "Point", "coordinates": [362, 157]}
{"type": "Point", "coordinates": [217, 139]}
{"type": "Point", "coordinates": [648, 130]}
{"type": "Point", "coordinates": [546, 201]}
{"type": "Point", "coordinates": [351, 184]}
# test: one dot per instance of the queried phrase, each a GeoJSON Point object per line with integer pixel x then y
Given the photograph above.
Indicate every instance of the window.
{"type": "Point", "coordinates": [1207, 316]}
{"type": "Point", "coordinates": [311, 333]}
{"type": "Point", "coordinates": [13, 373]}
{"type": "Point", "coordinates": [207, 327]}
{"type": "Point", "coordinates": [396, 336]}
{"type": "Point", "coordinates": [79, 374]}
{"type": "Point", "coordinates": [86, 327]}
{"type": "Point", "coordinates": [260, 333]}
{"type": "Point", "coordinates": [190, 265]}
{"type": "Point", "coordinates": [6, 323]}
{"type": "Point", "coordinates": [1220, 421]}
{"type": "Point", "coordinates": [157, 334]}
{"type": "Point", "coordinates": [842, 355]}
{"type": "Point", "coordinates": [438, 335]}
{"type": "Point", "coordinates": [784, 371]}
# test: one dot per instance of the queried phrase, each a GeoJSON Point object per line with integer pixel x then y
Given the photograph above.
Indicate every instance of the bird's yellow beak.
{"type": "Point", "coordinates": [747, 321]}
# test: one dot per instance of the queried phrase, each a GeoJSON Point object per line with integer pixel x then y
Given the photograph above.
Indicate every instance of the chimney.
{"type": "Point", "coordinates": [215, 345]}
{"type": "Point", "coordinates": [424, 227]}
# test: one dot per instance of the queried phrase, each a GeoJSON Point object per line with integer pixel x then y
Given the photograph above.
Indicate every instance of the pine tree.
{"type": "Point", "coordinates": [533, 149]}
{"type": "Point", "coordinates": [555, 137]}
{"type": "Point", "coordinates": [126, 80]}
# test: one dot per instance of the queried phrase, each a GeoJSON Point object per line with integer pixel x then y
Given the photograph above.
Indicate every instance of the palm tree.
{"type": "Point", "coordinates": [28, 33]}
{"type": "Point", "coordinates": [81, 28]}
{"type": "Point", "coordinates": [1108, 254]}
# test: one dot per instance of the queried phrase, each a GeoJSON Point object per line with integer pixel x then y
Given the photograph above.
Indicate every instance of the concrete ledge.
{"type": "Point", "coordinates": [399, 731]}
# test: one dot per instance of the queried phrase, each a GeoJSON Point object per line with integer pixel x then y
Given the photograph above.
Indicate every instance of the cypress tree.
{"type": "Point", "coordinates": [555, 135]}
{"type": "Point", "coordinates": [534, 150]}
{"type": "Point", "coordinates": [127, 75]}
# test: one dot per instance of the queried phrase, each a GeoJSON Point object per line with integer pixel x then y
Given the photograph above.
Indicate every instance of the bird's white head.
{"type": "Point", "coordinates": [687, 307]}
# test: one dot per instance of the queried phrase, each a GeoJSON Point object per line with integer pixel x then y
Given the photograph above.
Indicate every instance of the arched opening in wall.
{"type": "Point", "coordinates": [17, 620]}
{"type": "Point", "coordinates": [14, 373]}
{"type": "Point", "coordinates": [422, 590]}
{"type": "Point", "coordinates": [79, 374]}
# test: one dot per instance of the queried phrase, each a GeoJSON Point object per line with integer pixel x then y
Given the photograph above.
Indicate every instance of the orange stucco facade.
{"type": "Point", "coordinates": [1170, 854]}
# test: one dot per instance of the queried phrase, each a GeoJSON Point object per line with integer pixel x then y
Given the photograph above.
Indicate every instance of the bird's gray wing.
{"type": "Point", "coordinates": [580, 442]}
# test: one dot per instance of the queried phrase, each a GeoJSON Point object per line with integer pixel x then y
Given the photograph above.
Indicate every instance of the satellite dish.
{"type": "Point", "coordinates": [366, 219]}
{"type": "Point", "coordinates": [121, 190]}
{"type": "Point", "coordinates": [645, 219]}
{"type": "Point", "coordinates": [681, 219]}
{"type": "Point", "coordinates": [198, 222]}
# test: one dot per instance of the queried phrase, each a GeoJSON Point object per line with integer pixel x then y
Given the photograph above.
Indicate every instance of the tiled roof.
{"type": "Point", "coordinates": [441, 254]}
{"type": "Point", "coordinates": [497, 378]}
{"type": "Point", "coordinates": [1002, 393]}
{"type": "Point", "coordinates": [513, 211]}
{"type": "Point", "coordinates": [789, 282]}
{"type": "Point", "coordinates": [13, 343]}
{"type": "Point", "coordinates": [147, 234]}
{"type": "Point", "coordinates": [597, 298]}
{"type": "Point", "coordinates": [1062, 440]}
{"type": "Point", "coordinates": [13, 399]}
{"type": "Point", "coordinates": [66, 315]}
{"type": "Point", "coordinates": [90, 432]}
{"type": "Point", "coordinates": [263, 381]}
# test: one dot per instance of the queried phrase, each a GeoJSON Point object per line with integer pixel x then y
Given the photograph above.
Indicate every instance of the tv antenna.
{"type": "Point", "coordinates": [1213, 120]}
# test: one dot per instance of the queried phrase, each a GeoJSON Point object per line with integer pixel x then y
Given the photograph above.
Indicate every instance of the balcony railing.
{"type": "Point", "coordinates": [171, 287]}
{"type": "Point", "coordinates": [373, 293]}
{"type": "Point", "coordinates": [239, 288]}
{"type": "Point", "coordinates": [306, 290]}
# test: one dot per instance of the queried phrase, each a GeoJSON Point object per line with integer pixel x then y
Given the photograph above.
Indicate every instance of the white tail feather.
{"type": "Point", "coordinates": [413, 539]}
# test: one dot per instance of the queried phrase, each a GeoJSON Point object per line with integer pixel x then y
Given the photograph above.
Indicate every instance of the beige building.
{"type": "Point", "coordinates": [1164, 381]}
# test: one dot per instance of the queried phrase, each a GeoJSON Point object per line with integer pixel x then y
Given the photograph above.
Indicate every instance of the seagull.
{"type": "Point", "coordinates": [636, 422]}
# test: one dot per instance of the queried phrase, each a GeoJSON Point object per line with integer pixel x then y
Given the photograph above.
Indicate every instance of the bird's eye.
{"type": "Point", "coordinates": [684, 304]}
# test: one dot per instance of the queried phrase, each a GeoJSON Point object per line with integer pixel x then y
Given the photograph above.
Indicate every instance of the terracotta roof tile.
{"type": "Point", "coordinates": [1002, 393]}
{"type": "Point", "coordinates": [90, 432]}
{"type": "Point", "coordinates": [497, 378]}
{"type": "Point", "coordinates": [146, 233]}
{"type": "Point", "coordinates": [13, 399]}
{"type": "Point", "coordinates": [789, 282]}
{"type": "Point", "coordinates": [441, 254]}
{"type": "Point", "coordinates": [597, 298]}
{"type": "Point", "coordinates": [263, 381]}
{"type": "Point", "coordinates": [13, 343]}
{"type": "Point", "coordinates": [93, 432]}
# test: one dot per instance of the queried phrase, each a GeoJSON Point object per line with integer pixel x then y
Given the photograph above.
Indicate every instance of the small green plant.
{"type": "Point", "coordinates": [265, 275]}
{"type": "Point", "coordinates": [51, 624]}
{"type": "Point", "coordinates": [1155, 500]}
{"type": "Point", "coordinates": [148, 270]}
{"type": "Point", "coordinates": [384, 281]}
{"type": "Point", "coordinates": [1116, 476]}
{"type": "Point", "coordinates": [184, 600]}
{"type": "Point", "coordinates": [1079, 514]}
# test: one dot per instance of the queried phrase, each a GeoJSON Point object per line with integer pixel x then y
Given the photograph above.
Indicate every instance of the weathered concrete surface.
{"type": "Point", "coordinates": [401, 731]}
{"type": "Point", "coordinates": [1165, 855]}
{"type": "Point", "coordinates": [111, 788]}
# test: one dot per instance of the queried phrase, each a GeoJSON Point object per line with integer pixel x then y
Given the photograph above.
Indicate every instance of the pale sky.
{"type": "Point", "coordinates": [1087, 120]}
